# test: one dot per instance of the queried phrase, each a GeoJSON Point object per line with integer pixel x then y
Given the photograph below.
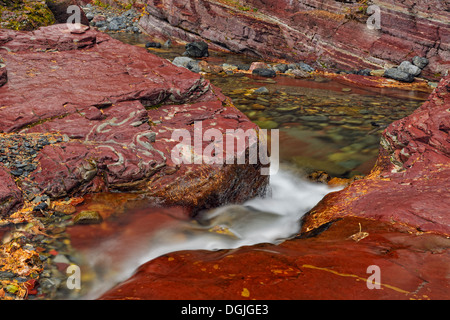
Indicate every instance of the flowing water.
{"type": "Point", "coordinates": [324, 125]}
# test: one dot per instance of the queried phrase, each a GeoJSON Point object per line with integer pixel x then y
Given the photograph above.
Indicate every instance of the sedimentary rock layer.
{"type": "Point", "coordinates": [334, 33]}
{"type": "Point", "coordinates": [329, 266]}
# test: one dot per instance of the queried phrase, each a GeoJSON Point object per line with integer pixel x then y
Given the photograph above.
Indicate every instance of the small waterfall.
{"type": "Point", "coordinates": [260, 220]}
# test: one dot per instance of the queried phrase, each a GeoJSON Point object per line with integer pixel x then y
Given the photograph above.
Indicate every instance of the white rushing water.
{"type": "Point", "coordinates": [260, 220]}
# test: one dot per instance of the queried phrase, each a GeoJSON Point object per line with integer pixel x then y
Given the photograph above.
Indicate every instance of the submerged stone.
{"type": "Point", "coordinates": [408, 67]}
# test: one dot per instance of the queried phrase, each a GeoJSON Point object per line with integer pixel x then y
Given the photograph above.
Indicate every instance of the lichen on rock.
{"type": "Point", "coordinates": [25, 15]}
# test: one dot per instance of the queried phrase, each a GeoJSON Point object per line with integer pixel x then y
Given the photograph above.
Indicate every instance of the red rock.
{"type": "Point", "coordinates": [409, 182]}
{"type": "Point", "coordinates": [396, 220]}
{"type": "Point", "coordinates": [328, 266]}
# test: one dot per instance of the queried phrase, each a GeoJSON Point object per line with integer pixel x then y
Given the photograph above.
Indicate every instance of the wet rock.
{"type": "Point", "coordinates": [41, 206]}
{"type": "Point", "coordinates": [6, 275]}
{"type": "Point", "coordinates": [88, 217]}
{"type": "Point", "coordinates": [187, 63]}
{"type": "Point", "coordinates": [267, 73]}
{"type": "Point", "coordinates": [408, 67]}
{"type": "Point", "coordinates": [397, 74]}
{"type": "Point", "coordinates": [364, 72]}
{"type": "Point", "coordinates": [197, 49]}
{"type": "Point", "coordinates": [377, 73]}
{"type": "Point", "coordinates": [420, 62]}
{"type": "Point", "coordinates": [60, 11]}
{"type": "Point", "coordinates": [258, 65]}
{"type": "Point", "coordinates": [342, 39]}
{"type": "Point", "coordinates": [319, 176]}
{"type": "Point", "coordinates": [3, 73]}
{"type": "Point", "coordinates": [209, 68]}
{"type": "Point", "coordinates": [280, 68]}
{"type": "Point", "coordinates": [194, 66]}
{"type": "Point", "coordinates": [10, 195]}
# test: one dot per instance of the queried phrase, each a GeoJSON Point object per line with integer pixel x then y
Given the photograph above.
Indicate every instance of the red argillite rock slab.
{"type": "Point", "coordinates": [334, 32]}
{"type": "Point", "coordinates": [99, 95]}
{"type": "Point", "coordinates": [333, 265]}
{"type": "Point", "coordinates": [410, 182]}
{"type": "Point", "coordinates": [394, 221]}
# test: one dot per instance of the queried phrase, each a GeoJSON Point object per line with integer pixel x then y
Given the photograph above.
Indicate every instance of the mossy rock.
{"type": "Point", "coordinates": [25, 15]}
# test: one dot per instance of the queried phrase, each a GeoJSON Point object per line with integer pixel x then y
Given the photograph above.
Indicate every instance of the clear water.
{"type": "Point", "coordinates": [262, 220]}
